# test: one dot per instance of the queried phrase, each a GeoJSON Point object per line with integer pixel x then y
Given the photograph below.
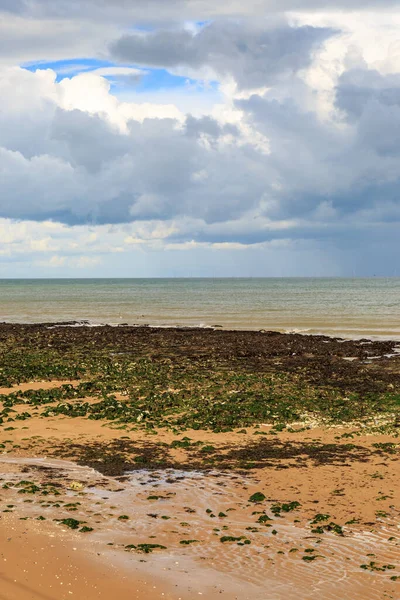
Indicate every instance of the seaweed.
{"type": "Point", "coordinates": [257, 497]}
{"type": "Point", "coordinates": [145, 548]}
{"type": "Point", "coordinates": [277, 508]}
{"type": "Point", "coordinates": [71, 523]}
{"type": "Point", "coordinates": [217, 380]}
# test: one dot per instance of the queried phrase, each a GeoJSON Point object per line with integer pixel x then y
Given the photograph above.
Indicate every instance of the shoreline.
{"type": "Point", "coordinates": [200, 328]}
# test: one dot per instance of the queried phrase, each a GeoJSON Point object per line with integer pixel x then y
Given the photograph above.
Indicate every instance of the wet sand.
{"type": "Point", "coordinates": [45, 566]}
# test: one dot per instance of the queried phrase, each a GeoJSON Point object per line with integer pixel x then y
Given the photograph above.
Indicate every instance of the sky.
{"type": "Point", "coordinates": [145, 138]}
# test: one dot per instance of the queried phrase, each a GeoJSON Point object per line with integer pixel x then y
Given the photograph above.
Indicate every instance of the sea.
{"type": "Point", "coordinates": [348, 308]}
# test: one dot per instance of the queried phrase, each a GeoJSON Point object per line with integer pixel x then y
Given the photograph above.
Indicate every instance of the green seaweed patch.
{"type": "Point", "coordinates": [188, 542]}
{"type": "Point", "coordinates": [319, 518]}
{"type": "Point", "coordinates": [145, 548]}
{"type": "Point", "coordinates": [319, 530]}
{"type": "Point", "coordinates": [388, 447]}
{"type": "Point", "coordinates": [156, 497]}
{"type": "Point", "coordinates": [374, 566]}
{"type": "Point", "coordinates": [71, 523]}
{"type": "Point", "coordinates": [29, 489]}
{"type": "Point", "coordinates": [208, 449]}
{"type": "Point", "coordinates": [257, 497]}
{"type": "Point", "coordinates": [263, 519]}
{"type": "Point", "coordinates": [277, 508]}
{"type": "Point", "coordinates": [331, 527]}
{"type": "Point", "coordinates": [184, 443]}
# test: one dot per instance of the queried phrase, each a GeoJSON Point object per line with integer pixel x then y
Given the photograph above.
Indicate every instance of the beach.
{"type": "Point", "coordinates": [199, 300]}
{"type": "Point", "coordinates": [183, 463]}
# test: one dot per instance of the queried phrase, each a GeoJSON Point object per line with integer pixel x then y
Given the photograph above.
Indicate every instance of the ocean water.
{"type": "Point", "coordinates": [351, 308]}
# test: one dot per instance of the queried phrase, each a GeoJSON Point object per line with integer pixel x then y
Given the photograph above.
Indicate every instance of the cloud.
{"type": "Point", "coordinates": [159, 10]}
{"type": "Point", "coordinates": [254, 56]}
{"type": "Point", "coordinates": [370, 102]}
{"type": "Point", "coordinates": [23, 40]}
{"type": "Point", "coordinates": [134, 74]}
{"type": "Point", "coordinates": [298, 148]}
{"type": "Point", "coordinates": [76, 166]}
{"type": "Point", "coordinates": [347, 166]}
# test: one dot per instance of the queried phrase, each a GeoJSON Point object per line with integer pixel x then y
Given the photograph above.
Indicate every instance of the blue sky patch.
{"type": "Point", "coordinates": [71, 67]}
{"type": "Point", "coordinates": [151, 79]}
